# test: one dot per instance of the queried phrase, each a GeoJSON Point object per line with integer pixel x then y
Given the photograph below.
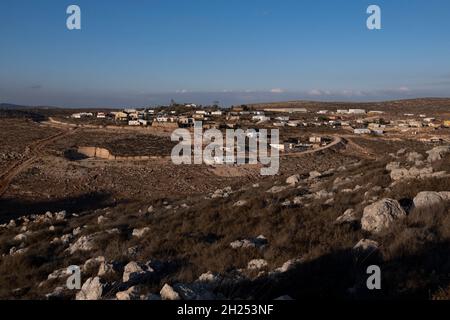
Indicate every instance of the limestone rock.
{"type": "Point", "coordinates": [93, 263]}
{"type": "Point", "coordinates": [257, 264]}
{"type": "Point", "coordinates": [209, 277]}
{"type": "Point", "coordinates": [437, 153]}
{"type": "Point", "coordinates": [92, 289]}
{"type": "Point", "coordinates": [84, 243]}
{"type": "Point", "coordinates": [314, 174]}
{"type": "Point", "coordinates": [429, 200]}
{"type": "Point", "coordinates": [258, 242]}
{"type": "Point", "coordinates": [20, 237]}
{"type": "Point", "coordinates": [293, 180]}
{"type": "Point", "coordinates": [138, 233]}
{"type": "Point", "coordinates": [168, 293]}
{"type": "Point", "coordinates": [381, 214]}
{"type": "Point", "coordinates": [414, 156]}
{"type": "Point", "coordinates": [130, 294]}
{"type": "Point", "coordinates": [135, 271]}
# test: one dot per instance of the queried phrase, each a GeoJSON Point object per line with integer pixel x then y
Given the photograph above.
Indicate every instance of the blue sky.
{"type": "Point", "coordinates": [132, 53]}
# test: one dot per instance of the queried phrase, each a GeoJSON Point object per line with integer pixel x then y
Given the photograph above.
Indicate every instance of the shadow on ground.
{"type": "Point", "coordinates": [342, 276]}
{"type": "Point", "coordinates": [15, 208]}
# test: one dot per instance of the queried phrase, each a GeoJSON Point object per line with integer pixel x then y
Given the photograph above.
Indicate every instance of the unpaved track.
{"type": "Point", "coordinates": [365, 152]}
{"type": "Point", "coordinates": [37, 147]}
{"type": "Point", "coordinates": [35, 152]}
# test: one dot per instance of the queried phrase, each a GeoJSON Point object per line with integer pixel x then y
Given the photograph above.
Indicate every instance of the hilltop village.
{"type": "Point", "coordinates": [350, 120]}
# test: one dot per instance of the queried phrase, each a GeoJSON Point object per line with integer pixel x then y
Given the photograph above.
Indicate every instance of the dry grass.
{"type": "Point", "coordinates": [414, 253]}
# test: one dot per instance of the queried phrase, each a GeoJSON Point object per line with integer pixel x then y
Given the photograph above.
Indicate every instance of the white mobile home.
{"type": "Point", "coordinates": [361, 131]}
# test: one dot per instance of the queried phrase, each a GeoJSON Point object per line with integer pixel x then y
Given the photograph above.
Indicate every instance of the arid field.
{"type": "Point", "coordinates": [150, 229]}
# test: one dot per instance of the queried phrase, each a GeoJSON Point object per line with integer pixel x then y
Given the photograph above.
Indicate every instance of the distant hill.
{"type": "Point", "coordinates": [38, 113]}
{"type": "Point", "coordinates": [23, 112]}
{"type": "Point", "coordinates": [410, 105]}
{"type": "Point", "coordinates": [11, 106]}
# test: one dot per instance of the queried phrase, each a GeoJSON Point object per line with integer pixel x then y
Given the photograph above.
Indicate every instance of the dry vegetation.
{"type": "Point", "coordinates": [15, 135]}
{"type": "Point", "coordinates": [190, 230]}
{"type": "Point", "coordinates": [118, 143]}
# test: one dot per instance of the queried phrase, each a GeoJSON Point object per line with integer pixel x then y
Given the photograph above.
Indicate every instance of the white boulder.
{"type": "Point", "coordinates": [381, 214]}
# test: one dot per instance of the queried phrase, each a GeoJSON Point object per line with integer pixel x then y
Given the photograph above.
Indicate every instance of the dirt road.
{"type": "Point", "coordinates": [35, 151]}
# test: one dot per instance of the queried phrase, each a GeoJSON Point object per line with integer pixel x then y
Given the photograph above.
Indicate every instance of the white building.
{"type": "Point", "coordinates": [361, 131]}
{"type": "Point", "coordinates": [260, 118]}
{"type": "Point", "coordinates": [162, 119]}
{"type": "Point", "coordinates": [287, 110]}
{"type": "Point", "coordinates": [356, 111]}
{"type": "Point", "coordinates": [315, 139]}
{"type": "Point", "coordinates": [82, 114]}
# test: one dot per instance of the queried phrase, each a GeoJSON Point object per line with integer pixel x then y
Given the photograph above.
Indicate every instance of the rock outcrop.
{"type": "Point", "coordinates": [430, 200]}
{"type": "Point", "coordinates": [92, 289]}
{"type": "Point", "coordinates": [380, 215]}
{"type": "Point", "coordinates": [437, 153]}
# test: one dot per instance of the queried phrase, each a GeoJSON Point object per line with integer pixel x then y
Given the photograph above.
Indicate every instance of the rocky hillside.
{"type": "Point", "coordinates": [300, 235]}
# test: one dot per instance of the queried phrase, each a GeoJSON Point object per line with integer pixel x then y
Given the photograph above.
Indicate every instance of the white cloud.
{"type": "Point", "coordinates": [404, 89]}
{"type": "Point", "coordinates": [316, 92]}
{"type": "Point", "coordinates": [276, 90]}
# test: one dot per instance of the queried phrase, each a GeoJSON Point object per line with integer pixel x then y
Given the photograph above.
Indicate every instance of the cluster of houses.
{"type": "Point", "coordinates": [185, 118]}
{"type": "Point", "coordinates": [359, 121]}
{"type": "Point", "coordinates": [371, 122]}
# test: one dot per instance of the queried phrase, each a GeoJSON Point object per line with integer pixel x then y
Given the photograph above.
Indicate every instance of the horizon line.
{"type": "Point", "coordinates": [18, 105]}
